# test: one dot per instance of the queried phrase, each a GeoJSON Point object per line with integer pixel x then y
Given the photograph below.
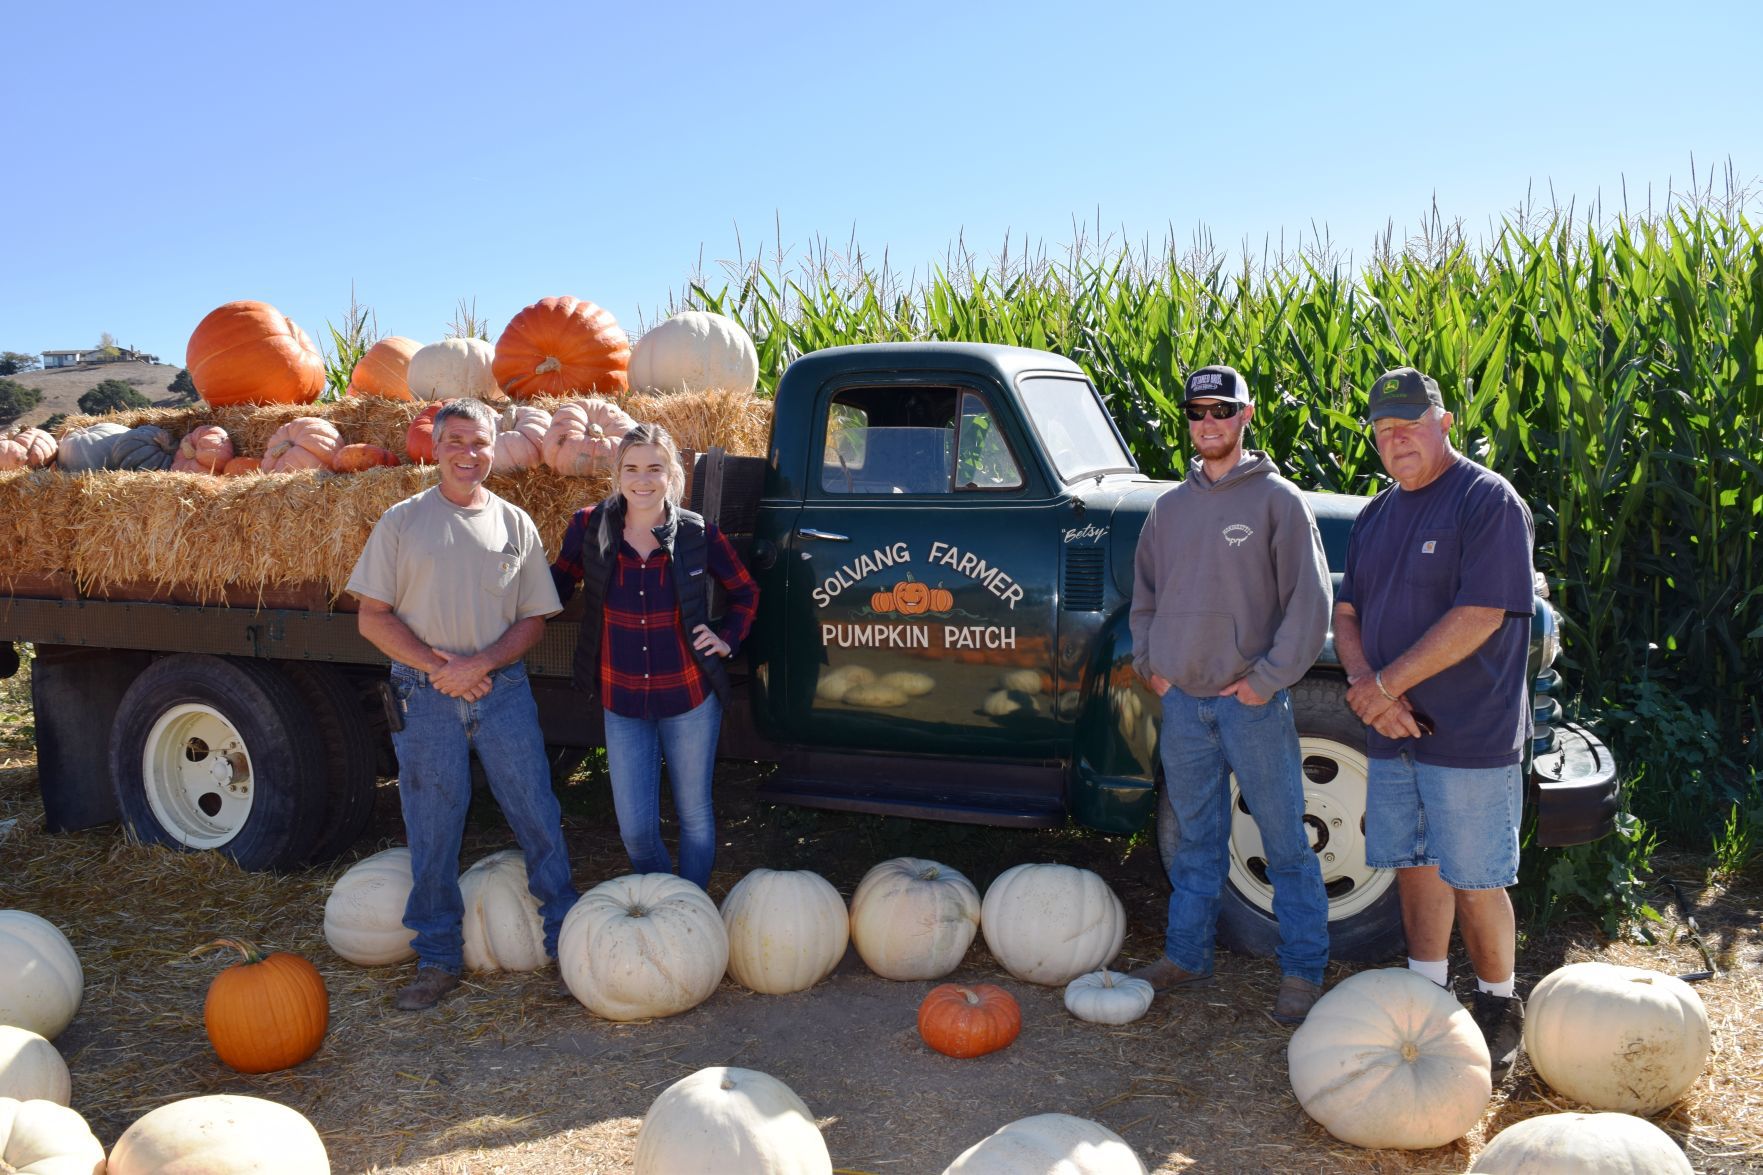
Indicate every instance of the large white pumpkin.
{"type": "Point", "coordinates": [503, 928]}
{"type": "Point", "coordinates": [726, 1121]}
{"type": "Point", "coordinates": [695, 351]}
{"type": "Point", "coordinates": [1049, 1144]}
{"type": "Point", "coordinates": [364, 914]}
{"type": "Point", "coordinates": [1585, 1144]}
{"type": "Point", "coordinates": [41, 980]}
{"type": "Point", "coordinates": [641, 946]}
{"type": "Point", "coordinates": [1389, 1059]}
{"type": "Point", "coordinates": [220, 1134]}
{"type": "Point", "coordinates": [787, 930]}
{"type": "Point", "coordinates": [82, 450]}
{"type": "Point", "coordinates": [914, 919]}
{"type": "Point", "coordinates": [1616, 1038]}
{"type": "Point", "coordinates": [31, 1069]}
{"type": "Point", "coordinates": [43, 1138]}
{"type": "Point", "coordinates": [1051, 923]}
{"type": "Point", "coordinates": [453, 368]}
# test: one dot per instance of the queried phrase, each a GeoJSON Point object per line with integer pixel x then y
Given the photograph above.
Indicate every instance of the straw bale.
{"type": "Point", "coordinates": [38, 522]}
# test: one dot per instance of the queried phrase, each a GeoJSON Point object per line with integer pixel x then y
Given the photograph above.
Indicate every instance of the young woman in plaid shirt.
{"type": "Point", "coordinates": [648, 652]}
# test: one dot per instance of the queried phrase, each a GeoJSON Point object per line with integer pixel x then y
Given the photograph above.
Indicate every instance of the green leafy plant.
{"type": "Point", "coordinates": [112, 395]}
{"type": "Point", "coordinates": [1607, 879]}
{"type": "Point", "coordinates": [16, 399]}
{"type": "Point", "coordinates": [348, 343]}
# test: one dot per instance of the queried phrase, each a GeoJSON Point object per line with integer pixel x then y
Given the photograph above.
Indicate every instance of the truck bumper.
{"type": "Point", "coordinates": [1576, 788]}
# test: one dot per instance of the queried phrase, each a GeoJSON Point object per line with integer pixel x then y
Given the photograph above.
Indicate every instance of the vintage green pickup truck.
{"type": "Point", "coordinates": [943, 534]}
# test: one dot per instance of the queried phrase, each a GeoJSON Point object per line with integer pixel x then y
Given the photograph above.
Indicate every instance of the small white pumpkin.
{"type": "Point", "coordinates": [31, 1069]}
{"type": "Point", "coordinates": [453, 368]}
{"type": "Point", "coordinates": [834, 684]}
{"type": "Point", "coordinates": [1108, 997]}
{"type": "Point", "coordinates": [787, 930]}
{"type": "Point", "coordinates": [914, 919]}
{"type": "Point", "coordinates": [913, 685]}
{"type": "Point", "coordinates": [1617, 1038]}
{"type": "Point", "coordinates": [364, 914]}
{"type": "Point", "coordinates": [1586, 1144]}
{"type": "Point", "coordinates": [219, 1134]}
{"type": "Point", "coordinates": [695, 351]}
{"type": "Point", "coordinates": [1023, 681]}
{"type": "Point", "coordinates": [1389, 1059]}
{"type": "Point", "coordinates": [44, 1138]}
{"type": "Point", "coordinates": [643, 945]}
{"type": "Point", "coordinates": [1049, 1144]}
{"type": "Point", "coordinates": [82, 450]}
{"type": "Point", "coordinates": [1051, 923]}
{"type": "Point", "coordinates": [503, 928]}
{"type": "Point", "coordinates": [1002, 702]}
{"type": "Point", "coordinates": [727, 1121]}
{"type": "Point", "coordinates": [41, 980]}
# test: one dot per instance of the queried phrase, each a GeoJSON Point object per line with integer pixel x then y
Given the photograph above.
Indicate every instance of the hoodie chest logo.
{"type": "Point", "coordinates": [1236, 534]}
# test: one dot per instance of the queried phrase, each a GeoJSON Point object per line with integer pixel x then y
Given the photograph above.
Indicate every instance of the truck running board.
{"type": "Point", "coordinates": [1007, 795]}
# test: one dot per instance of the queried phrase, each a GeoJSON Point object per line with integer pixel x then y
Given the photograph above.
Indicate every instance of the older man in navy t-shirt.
{"type": "Point", "coordinates": [1432, 624]}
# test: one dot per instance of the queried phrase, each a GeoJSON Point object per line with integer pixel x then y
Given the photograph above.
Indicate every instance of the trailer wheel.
{"type": "Point", "coordinates": [349, 754]}
{"type": "Point", "coordinates": [218, 753]}
{"type": "Point", "coordinates": [1364, 911]}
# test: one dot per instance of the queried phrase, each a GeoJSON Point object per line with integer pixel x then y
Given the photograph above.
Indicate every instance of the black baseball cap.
{"type": "Point", "coordinates": [1403, 393]}
{"type": "Point", "coordinates": [1216, 382]}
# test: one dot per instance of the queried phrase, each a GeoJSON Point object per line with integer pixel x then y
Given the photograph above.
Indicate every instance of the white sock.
{"type": "Point", "coordinates": [1434, 969]}
{"type": "Point", "coordinates": [1505, 989]}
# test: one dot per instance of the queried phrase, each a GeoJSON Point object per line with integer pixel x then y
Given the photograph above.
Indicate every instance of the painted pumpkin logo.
{"type": "Point", "coordinates": [911, 598]}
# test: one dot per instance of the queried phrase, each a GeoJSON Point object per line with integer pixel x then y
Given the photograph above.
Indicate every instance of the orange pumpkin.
{"type": "Point", "coordinates": [970, 1020]}
{"type": "Point", "coordinates": [419, 438]}
{"type": "Point", "coordinates": [252, 353]}
{"type": "Point", "coordinates": [305, 442]}
{"type": "Point", "coordinates": [23, 447]}
{"type": "Point", "coordinates": [911, 597]}
{"type": "Point", "coordinates": [204, 449]}
{"type": "Point", "coordinates": [941, 599]}
{"type": "Point", "coordinates": [269, 1012]}
{"type": "Point", "coordinates": [559, 346]}
{"type": "Point", "coordinates": [882, 602]}
{"type": "Point", "coordinates": [355, 458]}
{"type": "Point", "coordinates": [239, 466]}
{"type": "Point", "coordinates": [384, 371]}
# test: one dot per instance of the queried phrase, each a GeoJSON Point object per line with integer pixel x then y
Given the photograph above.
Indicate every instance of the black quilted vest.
{"type": "Point", "coordinates": [683, 537]}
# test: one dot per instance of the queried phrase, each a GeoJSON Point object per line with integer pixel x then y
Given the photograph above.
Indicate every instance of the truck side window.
{"type": "Point", "coordinates": [889, 441]}
{"type": "Point", "coordinates": [985, 462]}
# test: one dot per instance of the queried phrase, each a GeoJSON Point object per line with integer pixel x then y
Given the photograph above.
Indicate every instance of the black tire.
{"type": "Point", "coordinates": [348, 751]}
{"type": "Point", "coordinates": [1365, 913]}
{"type": "Point", "coordinates": [218, 753]}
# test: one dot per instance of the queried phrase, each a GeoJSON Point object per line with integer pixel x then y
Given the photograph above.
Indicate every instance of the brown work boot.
{"type": "Point", "coordinates": [1501, 1020]}
{"type": "Point", "coordinates": [426, 990]}
{"type": "Point", "coordinates": [1166, 975]}
{"type": "Point", "coordinates": [1295, 999]}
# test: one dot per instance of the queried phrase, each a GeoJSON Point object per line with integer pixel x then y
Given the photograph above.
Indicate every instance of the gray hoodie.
{"type": "Point", "coordinates": [1230, 581]}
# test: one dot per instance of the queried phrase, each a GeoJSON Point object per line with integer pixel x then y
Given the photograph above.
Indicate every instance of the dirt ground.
{"type": "Point", "coordinates": [512, 1076]}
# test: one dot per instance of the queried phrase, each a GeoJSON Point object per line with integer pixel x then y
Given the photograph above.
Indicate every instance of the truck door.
{"type": "Point", "coordinates": [923, 554]}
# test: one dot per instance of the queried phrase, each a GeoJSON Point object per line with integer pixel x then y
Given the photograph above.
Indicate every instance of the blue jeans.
{"type": "Point", "coordinates": [1202, 742]}
{"type": "Point", "coordinates": [634, 750]}
{"type": "Point", "coordinates": [434, 789]}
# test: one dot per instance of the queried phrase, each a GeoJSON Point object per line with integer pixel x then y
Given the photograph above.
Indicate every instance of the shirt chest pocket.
{"type": "Point", "coordinates": [499, 572]}
{"type": "Point", "coordinates": [1434, 558]}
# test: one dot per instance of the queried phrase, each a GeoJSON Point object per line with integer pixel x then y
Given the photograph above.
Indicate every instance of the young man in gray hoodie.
{"type": "Point", "coordinates": [1230, 607]}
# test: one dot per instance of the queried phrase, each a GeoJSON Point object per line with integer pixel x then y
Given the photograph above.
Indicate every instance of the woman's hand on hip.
{"type": "Point", "coordinates": [706, 641]}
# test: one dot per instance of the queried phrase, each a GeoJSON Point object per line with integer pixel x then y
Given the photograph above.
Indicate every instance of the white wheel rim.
{"type": "Point", "coordinates": [197, 776]}
{"type": "Point", "coordinates": [1334, 812]}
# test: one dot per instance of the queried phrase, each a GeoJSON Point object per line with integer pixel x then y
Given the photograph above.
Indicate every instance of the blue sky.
{"type": "Point", "coordinates": [166, 158]}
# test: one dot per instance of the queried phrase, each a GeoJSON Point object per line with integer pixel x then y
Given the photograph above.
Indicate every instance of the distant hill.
{"type": "Point", "coordinates": [63, 386]}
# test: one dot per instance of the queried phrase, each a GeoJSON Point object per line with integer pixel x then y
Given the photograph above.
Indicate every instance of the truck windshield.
{"type": "Point", "coordinates": [1073, 427]}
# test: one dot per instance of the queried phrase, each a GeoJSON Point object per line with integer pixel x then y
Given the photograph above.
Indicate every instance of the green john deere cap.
{"type": "Point", "coordinates": [1403, 393]}
{"type": "Point", "coordinates": [1216, 382]}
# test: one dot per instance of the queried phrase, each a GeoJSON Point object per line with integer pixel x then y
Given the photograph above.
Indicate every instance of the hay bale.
{"type": "Point", "coordinates": [38, 522]}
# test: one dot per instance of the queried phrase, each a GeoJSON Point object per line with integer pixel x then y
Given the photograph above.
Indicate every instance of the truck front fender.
{"type": "Point", "coordinates": [1114, 752]}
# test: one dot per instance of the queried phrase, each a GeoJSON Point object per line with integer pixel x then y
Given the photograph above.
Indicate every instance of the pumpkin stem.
{"type": "Point", "coordinates": [251, 951]}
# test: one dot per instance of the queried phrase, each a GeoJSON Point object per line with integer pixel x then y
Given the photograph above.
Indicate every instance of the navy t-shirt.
{"type": "Point", "coordinates": [1462, 539]}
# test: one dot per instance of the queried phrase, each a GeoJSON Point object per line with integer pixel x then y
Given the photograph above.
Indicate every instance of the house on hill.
{"type": "Point", "coordinates": [52, 359]}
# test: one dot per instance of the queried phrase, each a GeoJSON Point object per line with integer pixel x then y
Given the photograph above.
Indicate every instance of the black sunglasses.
{"type": "Point", "coordinates": [1215, 411]}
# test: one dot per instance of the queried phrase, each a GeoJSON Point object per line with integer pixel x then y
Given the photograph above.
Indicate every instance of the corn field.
{"type": "Point", "coordinates": [1611, 372]}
